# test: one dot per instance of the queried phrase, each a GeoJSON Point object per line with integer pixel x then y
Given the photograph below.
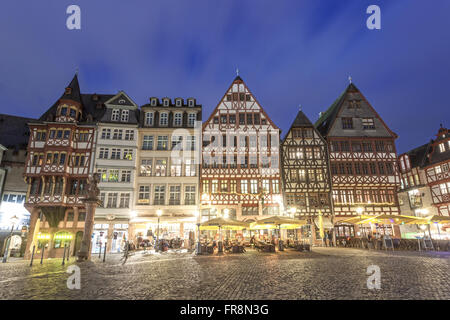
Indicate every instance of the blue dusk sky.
{"type": "Point", "coordinates": [289, 53]}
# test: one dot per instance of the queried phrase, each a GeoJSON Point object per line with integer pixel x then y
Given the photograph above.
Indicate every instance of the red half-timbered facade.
{"type": "Point", "coordinates": [240, 175]}
{"type": "Point", "coordinates": [363, 157]}
{"type": "Point", "coordinates": [60, 159]}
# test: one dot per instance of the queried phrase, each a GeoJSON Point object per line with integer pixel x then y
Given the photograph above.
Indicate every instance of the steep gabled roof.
{"type": "Point", "coordinates": [301, 121]}
{"type": "Point", "coordinates": [238, 80]}
{"type": "Point", "coordinates": [327, 119]}
{"type": "Point", "coordinates": [418, 157]}
{"type": "Point", "coordinates": [74, 93]}
{"type": "Point", "coordinates": [14, 132]}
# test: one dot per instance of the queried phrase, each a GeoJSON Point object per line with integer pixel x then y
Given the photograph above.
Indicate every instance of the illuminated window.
{"type": "Point", "coordinates": [146, 167]}
{"type": "Point", "coordinates": [367, 123]}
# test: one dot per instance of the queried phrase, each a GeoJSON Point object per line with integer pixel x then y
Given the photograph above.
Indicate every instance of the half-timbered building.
{"type": "Point", "coordinates": [305, 171]}
{"type": "Point", "coordinates": [362, 158]}
{"type": "Point", "coordinates": [60, 158]}
{"type": "Point", "coordinates": [240, 176]}
{"type": "Point", "coordinates": [437, 171]}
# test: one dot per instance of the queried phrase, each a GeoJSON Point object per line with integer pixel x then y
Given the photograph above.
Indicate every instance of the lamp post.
{"type": "Point", "coordinates": [159, 214]}
{"type": "Point", "coordinates": [14, 220]}
{"type": "Point", "coordinates": [198, 249]}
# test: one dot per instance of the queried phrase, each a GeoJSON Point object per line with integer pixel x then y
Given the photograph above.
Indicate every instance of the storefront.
{"type": "Point", "coordinates": [113, 235]}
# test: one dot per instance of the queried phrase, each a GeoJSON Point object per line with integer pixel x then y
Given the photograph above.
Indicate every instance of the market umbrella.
{"type": "Point", "coordinates": [277, 222]}
{"type": "Point", "coordinates": [389, 219]}
{"type": "Point", "coordinates": [354, 220]}
{"type": "Point", "coordinates": [435, 219]}
{"type": "Point", "coordinates": [222, 223]}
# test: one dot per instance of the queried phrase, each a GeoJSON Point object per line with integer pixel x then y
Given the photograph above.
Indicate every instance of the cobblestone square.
{"type": "Point", "coordinates": [325, 273]}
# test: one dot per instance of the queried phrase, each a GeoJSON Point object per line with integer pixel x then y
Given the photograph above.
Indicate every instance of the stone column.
{"type": "Point", "coordinates": [85, 249]}
{"type": "Point", "coordinates": [32, 232]}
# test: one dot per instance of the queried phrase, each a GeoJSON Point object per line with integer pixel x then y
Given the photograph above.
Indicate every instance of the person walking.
{"type": "Point", "coordinates": [325, 236]}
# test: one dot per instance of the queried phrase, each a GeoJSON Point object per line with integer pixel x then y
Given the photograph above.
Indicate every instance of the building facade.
{"type": "Point", "coordinates": [240, 174]}
{"type": "Point", "coordinates": [14, 135]}
{"type": "Point", "coordinates": [60, 159]}
{"type": "Point", "coordinates": [363, 159]}
{"type": "Point", "coordinates": [115, 161]}
{"type": "Point", "coordinates": [167, 180]}
{"type": "Point", "coordinates": [305, 172]}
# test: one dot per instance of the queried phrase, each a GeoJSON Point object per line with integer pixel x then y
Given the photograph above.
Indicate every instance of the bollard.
{"type": "Point", "coordinates": [32, 255]}
{"type": "Point", "coordinates": [104, 253]}
{"type": "Point", "coordinates": [100, 252]}
{"type": "Point", "coordinates": [68, 252]}
{"type": "Point", "coordinates": [42, 255]}
{"type": "Point", "coordinates": [64, 256]}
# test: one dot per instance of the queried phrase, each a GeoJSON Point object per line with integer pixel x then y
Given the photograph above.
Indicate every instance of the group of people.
{"type": "Point", "coordinates": [328, 238]}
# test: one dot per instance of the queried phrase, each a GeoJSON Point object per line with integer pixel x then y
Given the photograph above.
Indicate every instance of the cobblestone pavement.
{"type": "Point", "coordinates": [325, 273]}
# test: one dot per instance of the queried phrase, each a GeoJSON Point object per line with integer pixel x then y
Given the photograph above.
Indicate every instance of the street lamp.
{"type": "Point", "coordinates": [159, 214]}
{"type": "Point", "coordinates": [14, 220]}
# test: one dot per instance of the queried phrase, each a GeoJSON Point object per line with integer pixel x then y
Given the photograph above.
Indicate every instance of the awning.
{"type": "Point", "coordinates": [326, 223]}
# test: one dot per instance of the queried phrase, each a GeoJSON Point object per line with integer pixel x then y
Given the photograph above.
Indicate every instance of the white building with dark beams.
{"type": "Point", "coordinates": [115, 161]}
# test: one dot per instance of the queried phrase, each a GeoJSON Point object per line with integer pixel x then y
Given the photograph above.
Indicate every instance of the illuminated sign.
{"type": "Point", "coordinates": [14, 198]}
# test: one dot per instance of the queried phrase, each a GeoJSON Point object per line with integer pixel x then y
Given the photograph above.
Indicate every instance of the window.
{"type": "Point", "coordinates": [146, 167]}
{"type": "Point", "coordinates": [113, 175]}
{"type": "Point", "coordinates": [115, 153]}
{"type": "Point", "coordinates": [66, 134]}
{"type": "Point", "coordinates": [62, 159]}
{"type": "Point", "coordinates": [271, 211]}
{"type": "Point", "coordinates": [190, 143]}
{"type": "Point", "coordinates": [223, 186]}
{"type": "Point", "coordinates": [40, 135]}
{"type": "Point", "coordinates": [233, 188]}
{"type": "Point", "coordinates": [163, 119]}
{"type": "Point", "coordinates": [189, 168]}
{"type": "Point", "coordinates": [129, 134]}
{"type": "Point", "coordinates": [232, 118]}
{"type": "Point", "coordinates": [223, 119]}
{"type": "Point", "coordinates": [125, 115]}
{"type": "Point", "coordinates": [379, 146]}
{"type": "Point", "coordinates": [441, 147]}
{"type": "Point", "coordinates": [144, 194]}
{"type": "Point", "coordinates": [356, 147]}
{"type": "Point", "coordinates": [241, 118]}
{"type": "Point", "coordinates": [347, 123]}
{"type": "Point", "coordinates": [367, 147]}
{"type": "Point", "coordinates": [174, 195]}
{"type": "Point", "coordinates": [189, 195]}
{"type": "Point", "coordinates": [124, 200]}
{"type": "Point", "coordinates": [367, 123]}
{"type": "Point", "coordinates": [160, 192]}
{"type": "Point", "coordinates": [153, 101]}
{"type": "Point", "coordinates": [175, 167]}
{"type": "Point", "coordinates": [160, 167]}
{"type": "Point", "coordinates": [177, 143]}
{"type": "Point", "coordinates": [253, 186]}
{"type": "Point", "coordinates": [214, 186]}
{"type": "Point", "coordinates": [249, 118]}
{"type": "Point", "coordinates": [126, 176]}
{"type": "Point", "coordinates": [62, 239]}
{"type": "Point", "coordinates": [244, 186]}
{"type": "Point", "coordinates": [106, 134]}
{"type": "Point", "coordinates": [115, 115]}
{"type": "Point", "coordinates": [147, 143]}
{"type": "Point", "coordinates": [149, 116]}
{"type": "Point", "coordinates": [250, 211]}
{"type": "Point", "coordinates": [178, 102]}
{"type": "Point", "coordinates": [163, 142]}
{"type": "Point", "coordinates": [103, 175]}
{"type": "Point", "coordinates": [266, 186]}
{"type": "Point", "coordinates": [308, 152]}
{"type": "Point", "coordinates": [127, 154]}
{"type": "Point", "coordinates": [275, 186]}
{"type": "Point", "coordinates": [112, 200]}
{"type": "Point", "coordinates": [117, 135]}
{"type": "Point", "coordinates": [192, 117]}
{"type": "Point", "coordinates": [205, 187]}
{"type": "Point", "coordinates": [166, 102]}
{"type": "Point", "coordinates": [177, 119]}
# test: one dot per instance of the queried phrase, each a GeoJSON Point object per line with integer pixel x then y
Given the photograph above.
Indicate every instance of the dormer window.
{"type": "Point", "coordinates": [191, 102]}
{"type": "Point", "coordinates": [441, 147]}
{"type": "Point", "coordinates": [115, 115]}
{"type": "Point", "coordinates": [125, 115]}
{"type": "Point", "coordinates": [73, 112]}
{"type": "Point", "coordinates": [68, 90]}
{"type": "Point", "coordinates": [163, 119]}
{"type": "Point", "coordinates": [63, 111]}
{"type": "Point", "coordinates": [122, 101]}
{"type": "Point", "coordinates": [178, 103]}
{"type": "Point", "coordinates": [166, 102]}
{"type": "Point", "coordinates": [153, 102]}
